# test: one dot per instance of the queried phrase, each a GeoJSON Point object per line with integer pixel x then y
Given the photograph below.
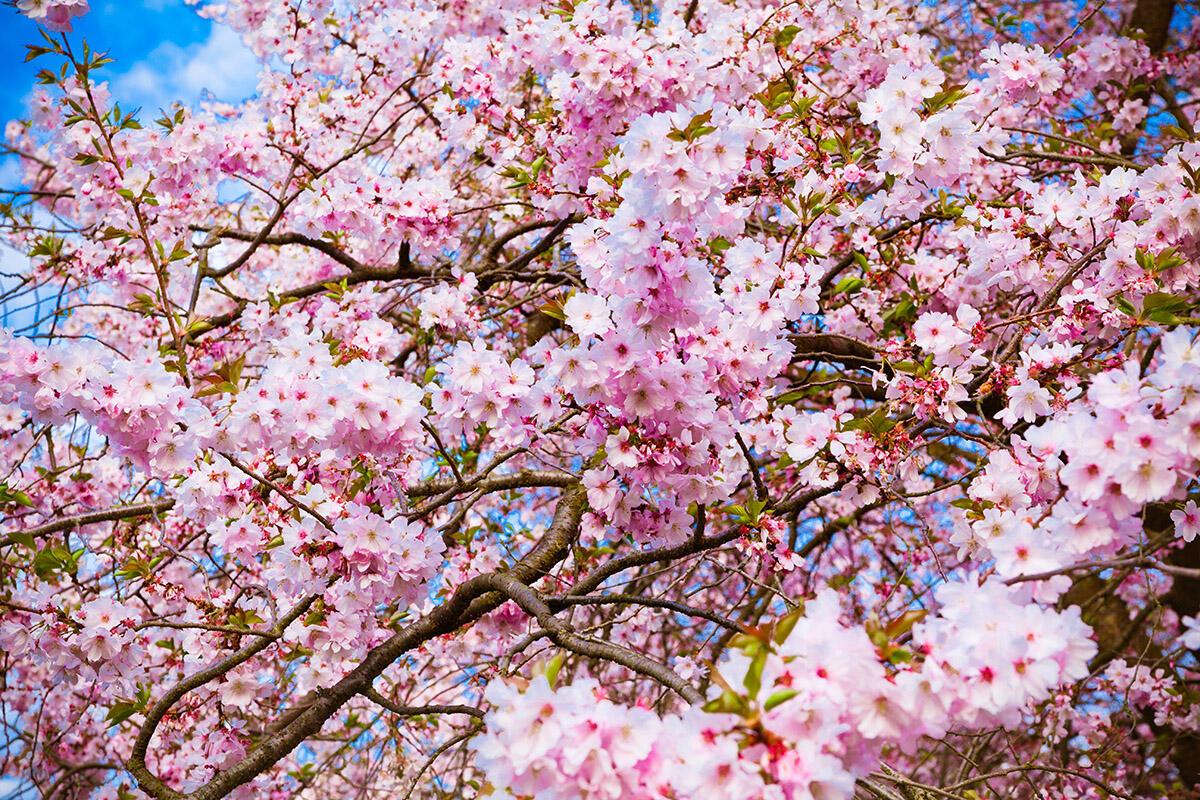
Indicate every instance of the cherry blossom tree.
{"type": "Point", "coordinates": [599, 400]}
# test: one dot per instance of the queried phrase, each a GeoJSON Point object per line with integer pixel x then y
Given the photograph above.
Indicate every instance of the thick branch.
{"type": "Point", "coordinates": [419, 711]}
{"type": "Point", "coordinates": [649, 602]}
{"type": "Point", "coordinates": [833, 347]}
{"type": "Point", "coordinates": [526, 479]}
{"type": "Point", "coordinates": [469, 602]}
{"type": "Point", "coordinates": [562, 635]}
{"type": "Point", "coordinates": [113, 514]}
{"type": "Point", "coordinates": [148, 781]}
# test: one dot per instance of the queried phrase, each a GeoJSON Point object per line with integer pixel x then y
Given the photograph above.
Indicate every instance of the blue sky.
{"type": "Point", "coordinates": [163, 51]}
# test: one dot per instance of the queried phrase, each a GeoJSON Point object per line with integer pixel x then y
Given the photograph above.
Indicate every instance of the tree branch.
{"type": "Point", "coordinates": [418, 711]}
{"type": "Point", "coordinates": [562, 634]}
{"type": "Point", "coordinates": [468, 603]}
{"type": "Point", "coordinates": [114, 514]}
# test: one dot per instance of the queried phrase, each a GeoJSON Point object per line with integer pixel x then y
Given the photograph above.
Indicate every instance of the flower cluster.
{"type": "Point", "coordinates": [134, 402]}
{"type": "Point", "coordinates": [54, 14]}
{"type": "Point", "coordinates": [310, 398]}
{"type": "Point", "coordinates": [662, 317]}
{"type": "Point", "coordinates": [1069, 488]}
{"type": "Point", "coordinates": [824, 700]}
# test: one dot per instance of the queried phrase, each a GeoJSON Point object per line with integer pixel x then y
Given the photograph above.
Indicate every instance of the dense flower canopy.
{"type": "Point", "coordinates": [601, 400]}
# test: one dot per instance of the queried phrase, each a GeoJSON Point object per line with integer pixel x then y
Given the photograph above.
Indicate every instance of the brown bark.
{"type": "Point", "coordinates": [1152, 18]}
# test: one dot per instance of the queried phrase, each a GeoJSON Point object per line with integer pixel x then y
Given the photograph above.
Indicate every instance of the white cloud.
{"type": "Point", "coordinates": [10, 172]}
{"type": "Point", "coordinates": [221, 65]}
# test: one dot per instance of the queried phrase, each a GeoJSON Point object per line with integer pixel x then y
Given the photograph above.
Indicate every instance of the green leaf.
{"type": "Point", "coordinates": [787, 398]}
{"type": "Point", "coordinates": [24, 539]}
{"type": "Point", "coordinates": [218, 387]}
{"type": "Point", "coordinates": [947, 97]}
{"type": "Point", "coordinates": [849, 285]}
{"type": "Point", "coordinates": [779, 698]}
{"type": "Point", "coordinates": [535, 168]}
{"type": "Point", "coordinates": [17, 496]}
{"type": "Point", "coordinates": [720, 244]}
{"type": "Point", "coordinates": [784, 37]}
{"type": "Point", "coordinates": [54, 559]}
{"type": "Point", "coordinates": [877, 423]}
{"type": "Point", "coordinates": [748, 514]}
{"type": "Point", "coordinates": [552, 670]}
{"type": "Point", "coordinates": [728, 703]}
{"type": "Point", "coordinates": [1160, 302]}
{"type": "Point", "coordinates": [753, 679]}
{"type": "Point", "coordinates": [878, 637]}
{"type": "Point", "coordinates": [1175, 132]}
{"type": "Point", "coordinates": [121, 711]}
{"type": "Point", "coordinates": [786, 624]}
{"type": "Point", "coordinates": [904, 623]}
{"type": "Point", "coordinates": [840, 581]}
{"type": "Point", "coordinates": [135, 568]}
{"type": "Point", "coordinates": [554, 309]}
{"type": "Point", "coordinates": [776, 94]}
{"type": "Point", "coordinates": [35, 51]}
{"type": "Point", "coordinates": [695, 129]}
{"type": "Point", "coordinates": [802, 106]}
{"type": "Point", "coordinates": [899, 315]}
